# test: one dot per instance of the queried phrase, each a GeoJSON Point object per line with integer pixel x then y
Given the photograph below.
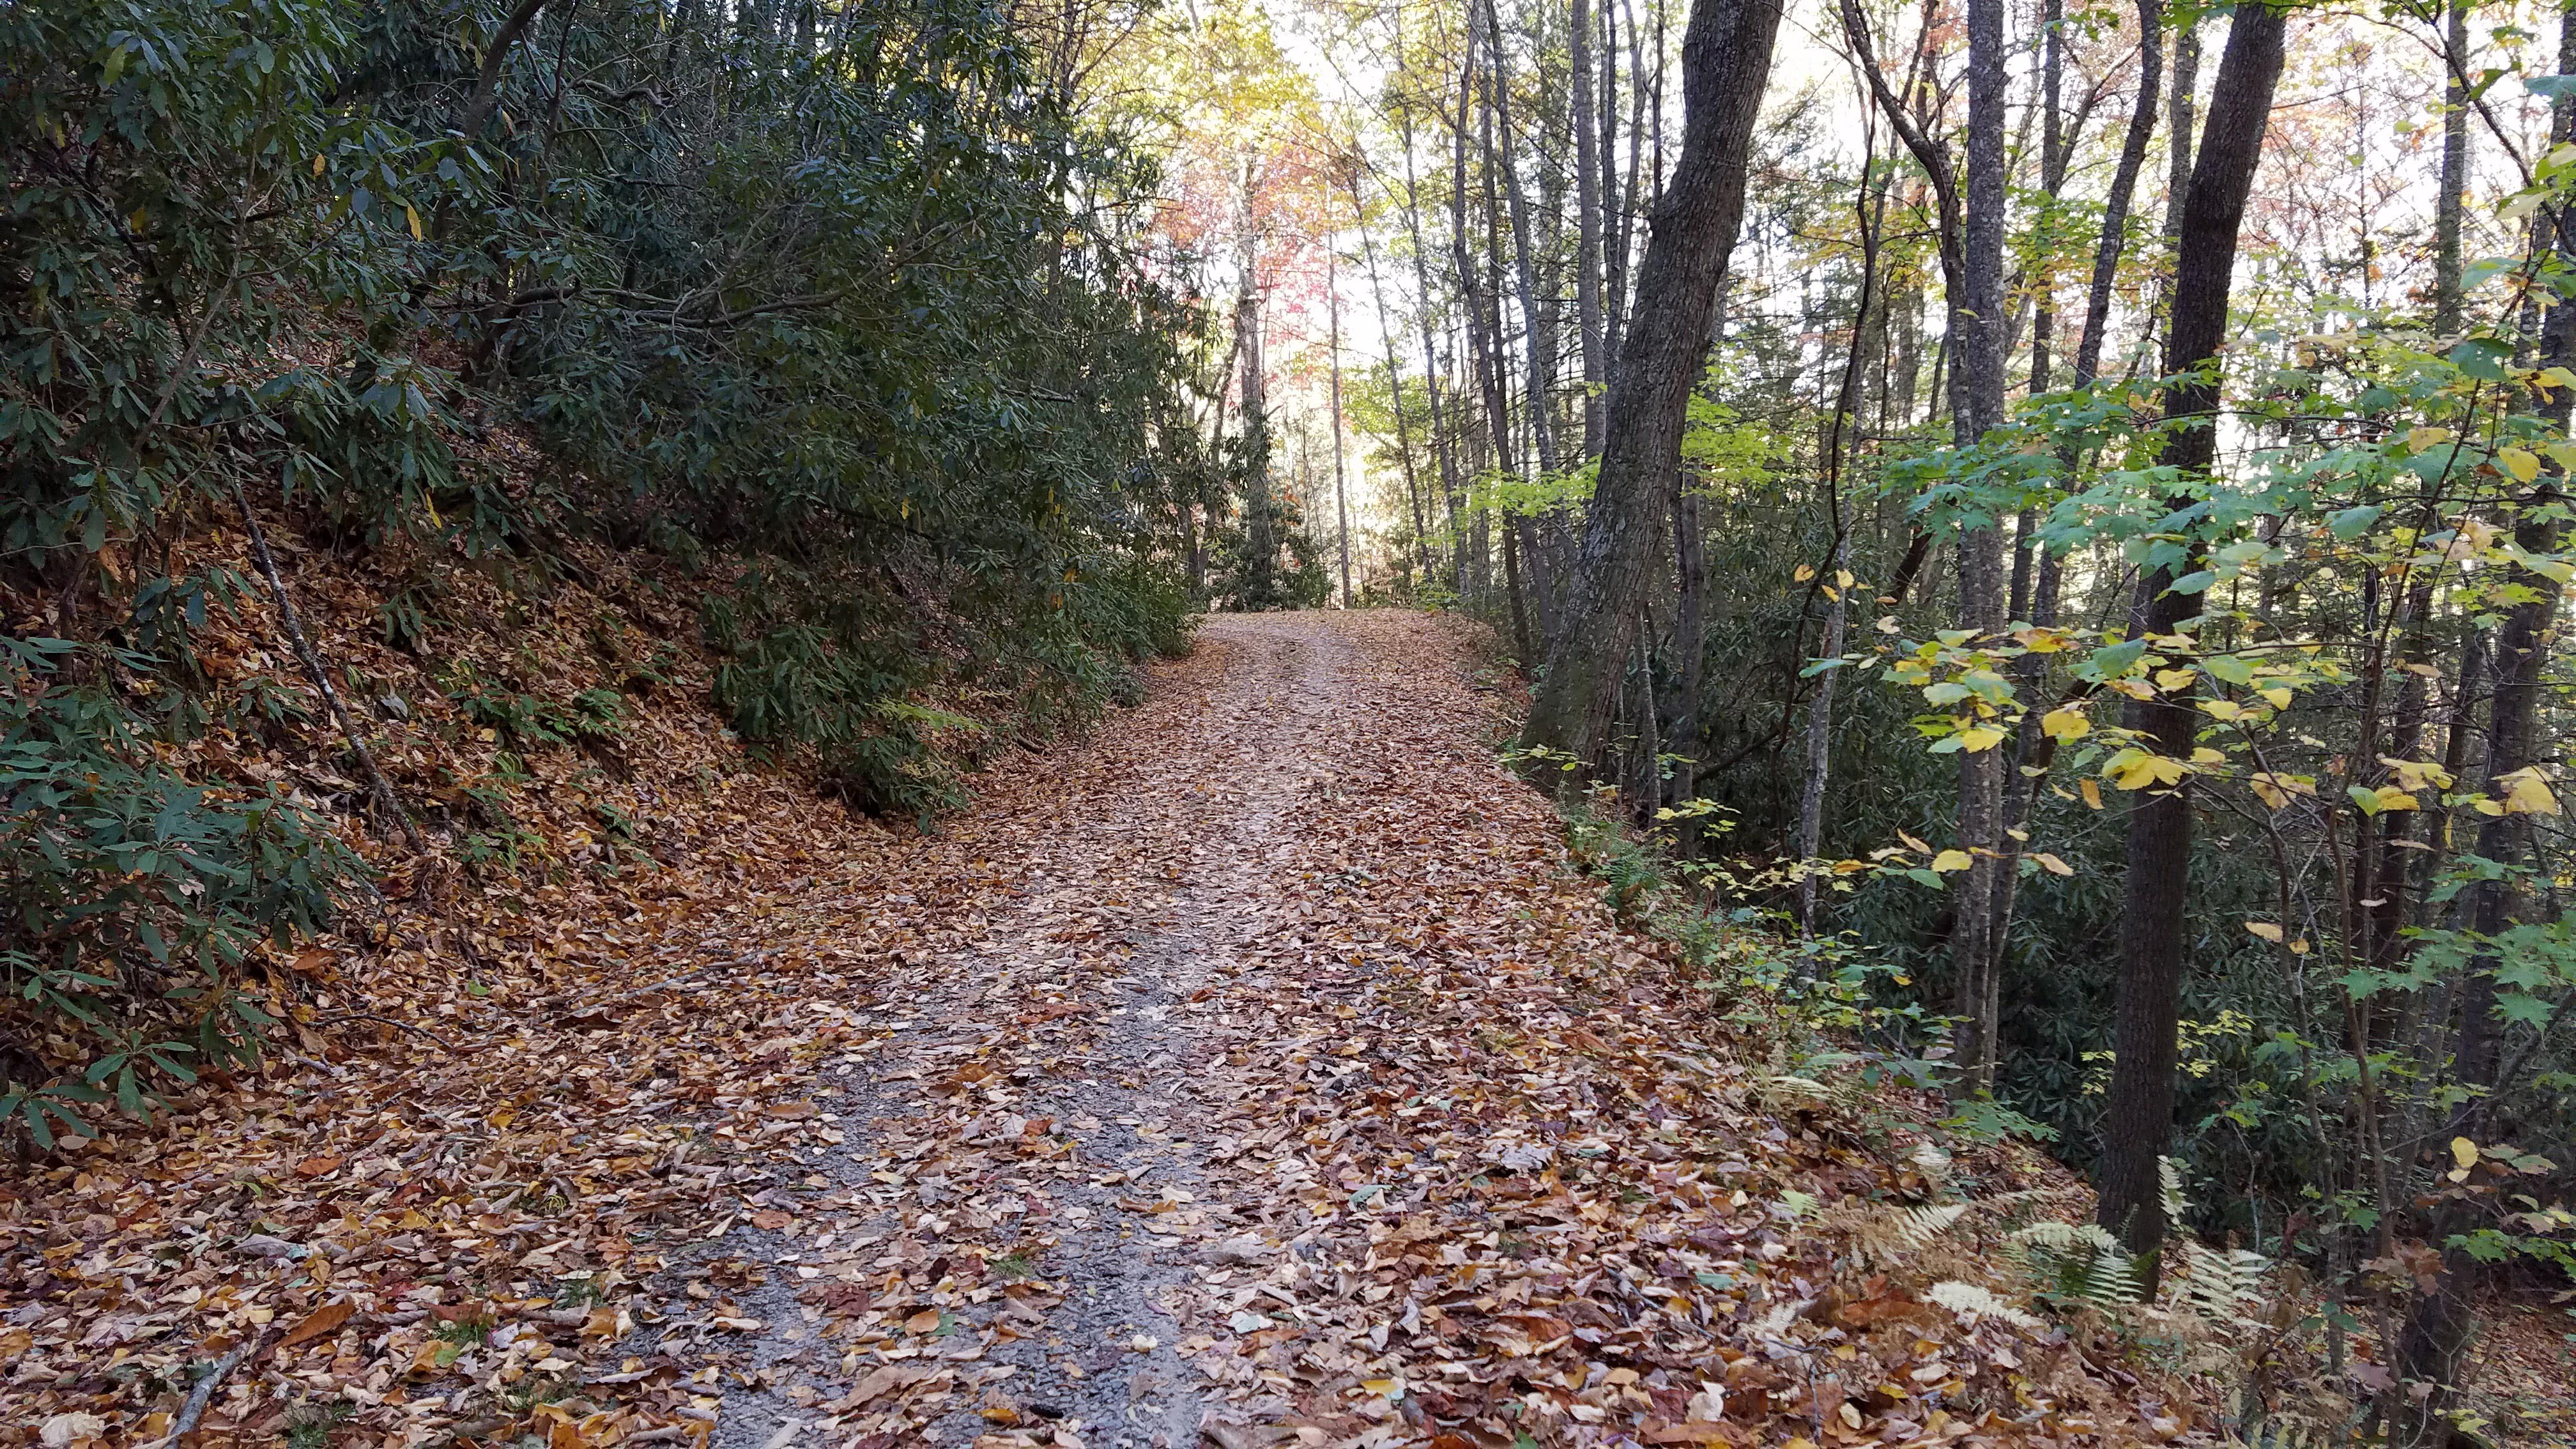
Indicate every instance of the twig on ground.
{"type": "Point", "coordinates": [204, 1393]}
{"type": "Point", "coordinates": [444, 1043]}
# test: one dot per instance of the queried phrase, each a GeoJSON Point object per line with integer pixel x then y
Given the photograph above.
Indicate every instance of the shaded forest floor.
{"type": "Point", "coordinates": [1255, 1070]}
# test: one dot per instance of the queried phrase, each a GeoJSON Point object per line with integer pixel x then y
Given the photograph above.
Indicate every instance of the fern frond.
{"type": "Point", "coordinates": [2080, 1262]}
{"type": "Point", "coordinates": [2217, 1287]}
{"type": "Point", "coordinates": [1916, 1226]}
{"type": "Point", "coordinates": [1972, 1302]}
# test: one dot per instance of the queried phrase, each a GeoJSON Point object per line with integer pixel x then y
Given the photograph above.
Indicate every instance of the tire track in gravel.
{"type": "Point", "coordinates": [1178, 833]}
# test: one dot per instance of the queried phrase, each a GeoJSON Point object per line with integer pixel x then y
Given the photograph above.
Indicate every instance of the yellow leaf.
{"type": "Point", "coordinates": [2392, 798]}
{"type": "Point", "coordinates": [413, 217]}
{"type": "Point", "coordinates": [2420, 438]}
{"type": "Point", "coordinates": [1844, 578]}
{"type": "Point", "coordinates": [2464, 1152]}
{"type": "Point", "coordinates": [2137, 770]}
{"type": "Point", "coordinates": [1803, 573]}
{"type": "Point", "coordinates": [2417, 774]}
{"type": "Point", "coordinates": [2092, 793]}
{"type": "Point", "coordinates": [2065, 724]}
{"type": "Point", "coordinates": [1980, 737]}
{"type": "Point", "coordinates": [2276, 789]}
{"type": "Point", "coordinates": [1920, 845]}
{"type": "Point", "coordinates": [2173, 679]}
{"type": "Point", "coordinates": [1950, 860]}
{"type": "Point", "coordinates": [317, 163]}
{"type": "Point", "coordinates": [2299, 947]}
{"type": "Point", "coordinates": [2226, 710]}
{"type": "Point", "coordinates": [2266, 930]}
{"type": "Point", "coordinates": [2521, 464]}
{"type": "Point", "coordinates": [2275, 696]}
{"type": "Point", "coordinates": [2528, 794]}
{"type": "Point", "coordinates": [2204, 755]}
{"type": "Point", "coordinates": [2052, 864]}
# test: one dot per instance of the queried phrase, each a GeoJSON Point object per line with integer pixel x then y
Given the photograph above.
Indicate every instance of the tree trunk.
{"type": "Point", "coordinates": [2432, 1350]}
{"type": "Point", "coordinates": [1442, 444]}
{"type": "Point", "coordinates": [2178, 124]}
{"type": "Point", "coordinates": [1869, 211]}
{"type": "Point", "coordinates": [1980, 403]}
{"type": "Point", "coordinates": [1395, 388]}
{"type": "Point", "coordinates": [2124, 185]}
{"type": "Point", "coordinates": [1587, 220]}
{"type": "Point", "coordinates": [1726, 62]}
{"type": "Point", "coordinates": [2455, 173]}
{"type": "Point", "coordinates": [1341, 500]}
{"type": "Point", "coordinates": [2139, 1124]}
{"type": "Point", "coordinates": [1538, 347]}
{"type": "Point", "coordinates": [1260, 549]}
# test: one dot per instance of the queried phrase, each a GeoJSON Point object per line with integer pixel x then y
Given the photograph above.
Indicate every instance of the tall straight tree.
{"type": "Point", "coordinates": [2140, 1123]}
{"type": "Point", "coordinates": [1341, 496]}
{"type": "Point", "coordinates": [1394, 379]}
{"type": "Point", "coordinates": [1588, 145]}
{"type": "Point", "coordinates": [2447, 207]}
{"type": "Point", "coordinates": [1726, 63]}
{"type": "Point", "coordinates": [1442, 443]}
{"type": "Point", "coordinates": [1979, 350]}
{"type": "Point", "coordinates": [2432, 1350]}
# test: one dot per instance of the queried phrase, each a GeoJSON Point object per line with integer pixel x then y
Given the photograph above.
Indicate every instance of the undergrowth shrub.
{"type": "Point", "coordinates": [132, 897]}
{"type": "Point", "coordinates": [854, 322]}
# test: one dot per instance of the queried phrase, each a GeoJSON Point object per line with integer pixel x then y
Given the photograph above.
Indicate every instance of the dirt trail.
{"type": "Point", "coordinates": [1151, 874]}
{"type": "Point", "coordinates": [1254, 1071]}
{"type": "Point", "coordinates": [1297, 1093]}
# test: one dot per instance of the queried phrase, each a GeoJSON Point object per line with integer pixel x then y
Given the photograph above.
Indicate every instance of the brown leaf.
{"type": "Point", "coordinates": [771, 1220]}
{"type": "Point", "coordinates": [793, 1111]}
{"type": "Point", "coordinates": [318, 1166]}
{"type": "Point", "coordinates": [323, 1320]}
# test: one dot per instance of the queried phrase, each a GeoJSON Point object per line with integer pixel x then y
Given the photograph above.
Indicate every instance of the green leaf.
{"type": "Point", "coordinates": [2523, 1009]}
{"type": "Point", "coordinates": [2482, 358]}
{"type": "Point", "coordinates": [2353, 522]}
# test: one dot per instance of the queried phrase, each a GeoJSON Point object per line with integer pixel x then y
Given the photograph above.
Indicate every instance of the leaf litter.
{"type": "Point", "coordinates": [1255, 1072]}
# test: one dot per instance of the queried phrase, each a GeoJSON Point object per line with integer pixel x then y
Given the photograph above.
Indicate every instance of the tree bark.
{"type": "Point", "coordinates": [2124, 185]}
{"type": "Point", "coordinates": [1726, 62]}
{"type": "Point", "coordinates": [1980, 403]}
{"type": "Point", "coordinates": [2139, 1124]}
{"type": "Point", "coordinates": [1341, 500]}
{"type": "Point", "coordinates": [486, 98]}
{"type": "Point", "coordinates": [1587, 223]}
{"type": "Point", "coordinates": [1442, 444]}
{"type": "Point", "coordinates": [1260, 549]}
{"type": "Point", "coordinates": [2455, 173]}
